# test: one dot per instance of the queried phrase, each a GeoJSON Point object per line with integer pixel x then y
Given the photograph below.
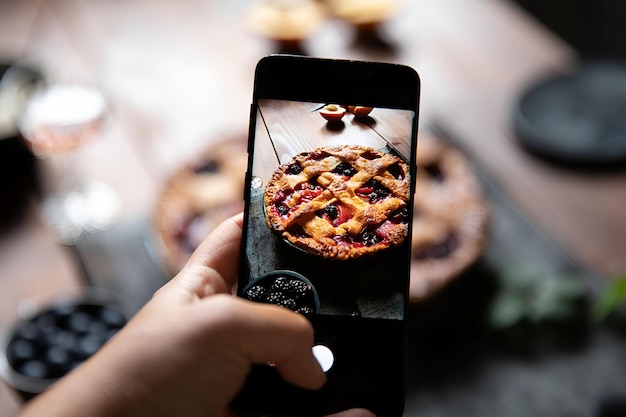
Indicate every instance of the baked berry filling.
{"type": "Point", "coordinates": [336, 214]}
{"type": "Point", "coordinates": [209, 167]}
{"type": "Point", "coordinates": [438, 250]}
{"type": "Point", "coordinates": [369, 237]}
{"type": "Point", "coordinates": [286, 201]}
{"type": "Point", "coordinates": [370, 156]}
{"type": "Point", "coordinates": [399, 216]}
{"type": "Point", "coordinates": [307, 191]}
{"type": "Point", "coordinates": [279, 204]}
{"type": "Point", "coordinates": [297, 231]}
{"type": "Point", "coordinates": [344, 169]}
{"type": "Point", "coordinates": [434, 172]}
{"type": "Point", "coordinates": [294, 169]}
{"type": "Point", "coordinates": [318, 155]}
{"type": "Point", "coordinates": [373, 191]}
{"type": "Point", "coordinates": [396, 171]}
{"type": "Point", "coordinates": [188, 234]}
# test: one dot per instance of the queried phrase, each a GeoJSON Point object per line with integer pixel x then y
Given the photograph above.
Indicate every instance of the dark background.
{"type": "Point", "coordinates": [596, 28]}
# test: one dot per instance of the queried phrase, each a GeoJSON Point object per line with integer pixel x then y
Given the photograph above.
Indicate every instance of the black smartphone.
{"type": "Point", "coordinates": [327, 228]}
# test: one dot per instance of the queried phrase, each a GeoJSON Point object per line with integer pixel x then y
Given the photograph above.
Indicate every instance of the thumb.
{"type": "Point", "coordinates": [271, 334]}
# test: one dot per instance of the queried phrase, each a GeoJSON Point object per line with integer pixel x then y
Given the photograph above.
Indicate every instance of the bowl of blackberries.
{"type": "Point", "coordinates": [45, 345]}
{"type": "Point", "coordinates": [284, 288]}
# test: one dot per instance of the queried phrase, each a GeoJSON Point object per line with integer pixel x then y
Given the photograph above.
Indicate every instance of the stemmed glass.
{"type": "Point", "coordinates": [57, 121]}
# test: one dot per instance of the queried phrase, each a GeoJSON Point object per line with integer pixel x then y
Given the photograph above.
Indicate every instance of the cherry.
{"type": "Point", "coordinates": [401, 215]}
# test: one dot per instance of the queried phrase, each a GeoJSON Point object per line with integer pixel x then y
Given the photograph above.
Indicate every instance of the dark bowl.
{"type": "Point", "coordinates": [286, 289]}
{"type": "Point", "coordinates": [45, 345]}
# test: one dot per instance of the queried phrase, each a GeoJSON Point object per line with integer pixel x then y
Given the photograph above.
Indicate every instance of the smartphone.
{"type": "Point", "coordinates": [327, 225]}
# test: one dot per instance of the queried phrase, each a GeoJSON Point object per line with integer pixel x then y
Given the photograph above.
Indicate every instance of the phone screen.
{"type": "Point", "coordinates": [327, 235]}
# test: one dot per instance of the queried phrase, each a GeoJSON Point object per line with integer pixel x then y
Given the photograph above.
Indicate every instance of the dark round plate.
{"type": "Point", "coordinates": [46, 344]}
{"type": "Point", "coordinates": [577, 118]}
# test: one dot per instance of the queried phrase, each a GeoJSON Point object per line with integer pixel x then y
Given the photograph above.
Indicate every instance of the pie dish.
{"type": "Point", "coordinates": [284, 288]}
{"type": "Point", "coordinates": [199, 196]}
{"type": "Point", "coordinates": [340, 202]}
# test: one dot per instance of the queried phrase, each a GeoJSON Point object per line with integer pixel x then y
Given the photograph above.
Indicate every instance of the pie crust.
{"type": "Point", "coordinates": [450, 218]}
{"type": "Point", "coordinates": [198, 197]}
{"type": "Point", "coordinates": [340, 202]}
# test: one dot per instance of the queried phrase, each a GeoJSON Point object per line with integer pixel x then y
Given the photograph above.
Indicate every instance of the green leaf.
{"type": "Point", "coordinates": [610, 299]}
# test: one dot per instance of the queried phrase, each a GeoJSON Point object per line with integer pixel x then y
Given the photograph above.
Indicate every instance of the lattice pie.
{"type": "Point", "coordinates": [340, 202]}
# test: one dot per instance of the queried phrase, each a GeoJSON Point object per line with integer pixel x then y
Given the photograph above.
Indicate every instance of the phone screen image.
{"type": "Point", "coordinates": [327, 235]}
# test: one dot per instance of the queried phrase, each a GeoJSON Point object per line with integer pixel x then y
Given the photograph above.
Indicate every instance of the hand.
{"type": "Point", "coordinates": [188, 351]}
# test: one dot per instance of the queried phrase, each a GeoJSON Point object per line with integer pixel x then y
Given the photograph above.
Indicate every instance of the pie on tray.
{"type": "Point", "coordinates": [340, 202]}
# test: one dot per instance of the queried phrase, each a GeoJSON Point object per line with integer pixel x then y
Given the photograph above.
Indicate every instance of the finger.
{"type": "Point", "coordinates": [213, 266]}
{"type": "Point", "coordinates": [266, 333]}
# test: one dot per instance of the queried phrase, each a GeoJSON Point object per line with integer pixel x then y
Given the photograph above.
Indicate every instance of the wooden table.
{"type": "Point", "coordinates": [179, 75]}
{"type": "Point", "coordinates": [289, 128]}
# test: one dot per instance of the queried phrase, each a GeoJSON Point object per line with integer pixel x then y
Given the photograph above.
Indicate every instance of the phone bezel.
{"type": "Point", "coordinates": [303, 78]}
{"type": "Point", "coordinates": [300, 78]}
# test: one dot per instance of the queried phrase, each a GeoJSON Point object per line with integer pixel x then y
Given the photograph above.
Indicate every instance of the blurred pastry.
{"type": "Point", "coordinates": [363, 12]}
{"type": "Point", "coordinates": [450, 219]}
{"type": "Point", "coordinates": [365, 15]}
{"type": "Point", "coordinates": [287, 22]}
{"type": "Point", "coordinates": [198, 197]}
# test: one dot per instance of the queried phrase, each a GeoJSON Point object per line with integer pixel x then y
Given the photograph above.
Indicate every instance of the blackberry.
{"type": "Point", "coordinates": [282, 209]}
{"type": "Point", "coordinates": [344, 168]}
{"type": "Point", "coordinates": [281, 284]}
{"type": "Point", "coordinates": [379, 193]}
{"type": "Point", "coordinates": [289, 303]}
{"type": "Point", "coordinates": [298, 288]}
{"type": "Point", "coordinates": [331, 211]}
{"type": "Point", "coordinates": [370, 238]}
{"type": "Point", "coordinates": [305, 310]}
{"type": "Point", "coordinates": [275, 298]}
{"type": "Point", "coordinates": [294, 169]}
{"type": "Point", "coordinates": [256, 293]}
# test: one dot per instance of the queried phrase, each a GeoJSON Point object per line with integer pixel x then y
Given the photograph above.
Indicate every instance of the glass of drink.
{"type": "Point", "coordinates": [56, 122]}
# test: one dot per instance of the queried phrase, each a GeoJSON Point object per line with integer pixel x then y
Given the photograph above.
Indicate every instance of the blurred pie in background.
{"type": "Point", "coordinates": [450, 218]}
{"type": "Point", "coordinates": [198, 197]}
